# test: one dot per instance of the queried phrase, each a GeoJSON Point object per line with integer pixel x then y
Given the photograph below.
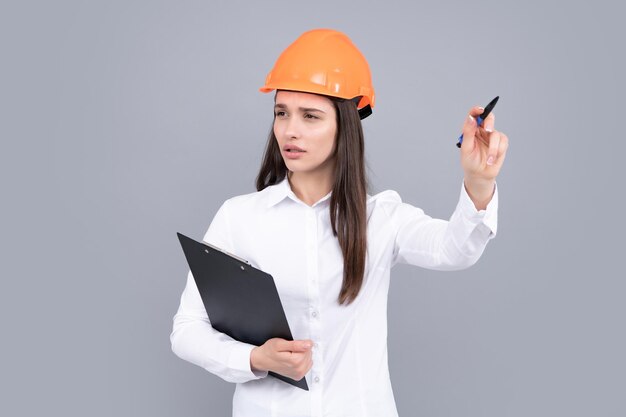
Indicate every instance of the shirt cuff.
{"type": "Point", "coordinates": [239, 359]}
{"type": "Point", "coordinates": [487, 217]}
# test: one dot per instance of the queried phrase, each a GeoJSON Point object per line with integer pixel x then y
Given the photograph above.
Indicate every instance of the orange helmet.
{"type": "Point", "coordinates": [324, 61]}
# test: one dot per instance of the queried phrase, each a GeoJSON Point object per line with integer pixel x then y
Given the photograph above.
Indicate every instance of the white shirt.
{"type": "Point", "coordinates": [278, 233]}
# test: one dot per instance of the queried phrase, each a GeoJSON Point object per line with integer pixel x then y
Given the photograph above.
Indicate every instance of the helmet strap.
{"type": "Point", "coordinates": [365, 111]}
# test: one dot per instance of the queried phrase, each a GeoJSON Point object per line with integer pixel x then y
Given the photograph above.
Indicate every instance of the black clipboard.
{"type": "Point", "coordinates": [240, 300]}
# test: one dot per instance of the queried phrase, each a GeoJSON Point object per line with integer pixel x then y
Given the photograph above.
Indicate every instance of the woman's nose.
{"type": "Point", "coordinates": [292, 128]}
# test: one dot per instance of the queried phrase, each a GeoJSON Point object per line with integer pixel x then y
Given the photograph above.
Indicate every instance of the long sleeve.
{"type": "Point", "coordinates": [439, 244]}
{"type": "Point", "coordinates": [194, 339]}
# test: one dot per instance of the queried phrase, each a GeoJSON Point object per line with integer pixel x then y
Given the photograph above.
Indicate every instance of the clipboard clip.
{"type": "Point", "coordinates": [227, 253]}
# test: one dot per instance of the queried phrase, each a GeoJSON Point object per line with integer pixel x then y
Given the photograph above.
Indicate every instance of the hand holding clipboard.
{"type": "Point", "coordinates": [240, 300]}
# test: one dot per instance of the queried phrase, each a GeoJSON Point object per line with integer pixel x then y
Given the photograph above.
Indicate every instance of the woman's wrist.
{"type": "Point", "coordinates": [256, 360]}
{"type": "Point", "coordinates": [480, 191]}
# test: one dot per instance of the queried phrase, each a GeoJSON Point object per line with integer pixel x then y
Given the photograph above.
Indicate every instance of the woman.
{"type": "Point", "coordinates": [328, 244]}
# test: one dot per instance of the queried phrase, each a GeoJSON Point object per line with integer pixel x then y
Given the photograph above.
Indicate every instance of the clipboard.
{"type": "Point", "coordinates": [240, 300]}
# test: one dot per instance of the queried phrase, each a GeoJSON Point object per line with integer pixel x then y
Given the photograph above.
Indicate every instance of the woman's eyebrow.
{"type": "Point", "coordinates": [309, 109]}
{"type": "Point", "coordinates": [302, 109]}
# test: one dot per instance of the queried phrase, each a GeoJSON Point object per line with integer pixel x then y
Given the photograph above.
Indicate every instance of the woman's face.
{"type": "Point", "coordinates": [308, 122]}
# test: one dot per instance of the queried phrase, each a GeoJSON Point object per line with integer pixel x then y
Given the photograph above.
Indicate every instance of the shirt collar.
{"type": "Point", "coordinates": [278, 192]}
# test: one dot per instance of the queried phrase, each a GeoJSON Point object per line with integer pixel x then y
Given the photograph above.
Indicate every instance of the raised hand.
{"type": "Point", "coordinates": [482, 154]}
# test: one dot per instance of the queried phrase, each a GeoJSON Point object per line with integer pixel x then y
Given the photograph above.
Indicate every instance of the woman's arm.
{"type": "Point", "coordinates": [459, 242]}
{"type": "Point", "coordinates": [431, 243]}
{"type": "Point", "coordinates": [480, 192]}
{"type": "Point", "coordinates": [194, 339]}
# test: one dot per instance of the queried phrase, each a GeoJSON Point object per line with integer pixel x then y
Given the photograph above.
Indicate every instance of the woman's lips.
{"type": "Point", "coordinates": [294, 154]}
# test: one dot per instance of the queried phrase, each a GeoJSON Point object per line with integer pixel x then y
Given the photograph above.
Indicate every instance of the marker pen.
{"type": "Point", "coordinates": [480, 119]}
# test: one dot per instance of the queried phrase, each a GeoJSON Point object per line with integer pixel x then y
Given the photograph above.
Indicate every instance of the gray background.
{"type": "Point", "coordinates": [125, 122]}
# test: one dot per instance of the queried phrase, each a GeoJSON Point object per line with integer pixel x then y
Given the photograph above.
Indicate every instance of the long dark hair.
{"type": "Point", "coordinates": [348, 213]}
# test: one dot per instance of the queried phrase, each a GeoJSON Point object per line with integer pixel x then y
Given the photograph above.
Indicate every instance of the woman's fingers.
{"type": "Point", "coordinates": [484, 148]}
{"type": "Point", "coordinates": [283, 345]}
{"type": "Point", "coordinates": [489, 123]}
{"type": "Point", "coordinates": [300, 363]}
{"type": "Point", "coordinates": [494, 144]}
{"type": "Point", "coordinates": [504, 145]}
{"type": "Point", "coordinates": [292, 358]}
{"type": "Point", "coordinates": [469, 131]}
{"type": "Point", "coordinates": [485, 134]}
{"type": "Point", "coordinates": [476, 111]}
{"type": "Point", "coordinates": [471, 122]}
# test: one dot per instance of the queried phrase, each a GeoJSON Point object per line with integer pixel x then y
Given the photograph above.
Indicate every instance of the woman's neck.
{"type": "Point", "coordinates": [310, 187]}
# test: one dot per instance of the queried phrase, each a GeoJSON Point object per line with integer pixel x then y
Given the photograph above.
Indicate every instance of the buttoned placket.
{"type": "Point", "coordinates": [315, 315]}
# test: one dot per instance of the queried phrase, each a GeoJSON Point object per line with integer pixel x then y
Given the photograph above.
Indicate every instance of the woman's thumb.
{"type": "Point", "coordinates": [301, 345]}
{"type": "Point", "coordinates": [469, 131]}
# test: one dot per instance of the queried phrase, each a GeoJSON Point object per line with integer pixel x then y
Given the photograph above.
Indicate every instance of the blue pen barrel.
{"type": "Point", "coordinates": [479, 121]}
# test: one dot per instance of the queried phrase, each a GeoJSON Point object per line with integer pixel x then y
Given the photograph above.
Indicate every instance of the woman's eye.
{"type": "Point", "coordinates": [310, 116]}
{"type": "Point", "coordinates": [279, 113]}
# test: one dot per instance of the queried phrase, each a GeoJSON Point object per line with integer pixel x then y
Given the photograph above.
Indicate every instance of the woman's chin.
{"type": "Point", "coordinates": [294, 166]}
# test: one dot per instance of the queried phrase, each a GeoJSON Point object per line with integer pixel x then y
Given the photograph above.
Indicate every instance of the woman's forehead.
{"type": "Point", "coordinates": [301, 99]}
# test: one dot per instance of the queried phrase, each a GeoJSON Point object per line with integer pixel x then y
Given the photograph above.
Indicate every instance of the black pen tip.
{"type": "Point", "coordinates": [489, 107]}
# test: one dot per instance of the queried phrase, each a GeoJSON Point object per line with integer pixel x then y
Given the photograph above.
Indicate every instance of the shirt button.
{"type": "Point", "coordinates": [316, 379]}
{"type": "Point", "coordinates": [314, 314]}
